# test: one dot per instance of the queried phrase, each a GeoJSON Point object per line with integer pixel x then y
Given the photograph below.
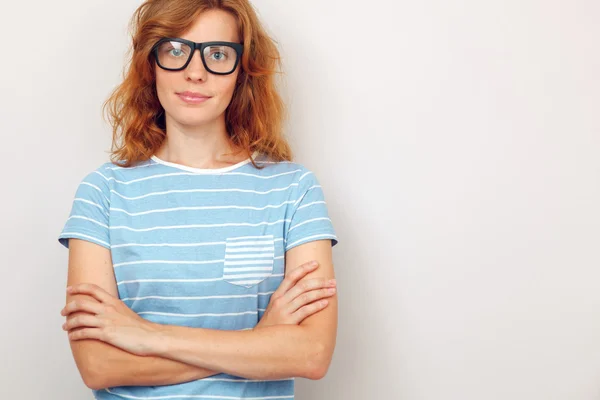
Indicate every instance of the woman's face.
{"type": "Point", "coordinates": [212, 25]}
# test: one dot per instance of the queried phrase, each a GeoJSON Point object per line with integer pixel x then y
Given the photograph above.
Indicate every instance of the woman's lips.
{"type": "Point", "coordinates": [192, 99]}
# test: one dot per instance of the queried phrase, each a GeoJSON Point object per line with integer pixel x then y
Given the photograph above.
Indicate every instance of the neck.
{"type": "Point", "coordinates": [200, 146]}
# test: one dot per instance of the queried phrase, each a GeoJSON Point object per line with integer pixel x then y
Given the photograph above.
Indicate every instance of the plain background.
{"type": "Point", "coordinates": [457, 143]}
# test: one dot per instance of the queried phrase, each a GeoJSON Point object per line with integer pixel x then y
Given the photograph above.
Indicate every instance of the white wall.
{"type": "Point", "coordinates": [457, 143]}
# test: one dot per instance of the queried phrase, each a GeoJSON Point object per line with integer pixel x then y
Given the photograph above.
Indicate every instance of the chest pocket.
{"type": "Point", "coordinates": [248, 259]}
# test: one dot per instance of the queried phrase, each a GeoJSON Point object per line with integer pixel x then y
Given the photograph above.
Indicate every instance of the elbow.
{"type": "Point", "coordinates": [319, 361]}
{"type": "Point", "coordinates": [92, 379]}
{"type": "Point", "coordinates": [97, 377]}
{"type": "Point", "coordinates": [316, 373]}
{"type": "Point", "coordinates": [90, 368]}
{"type": "Point", "coordinates": [92, 383]}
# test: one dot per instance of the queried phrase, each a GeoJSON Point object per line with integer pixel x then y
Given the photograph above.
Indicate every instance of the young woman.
{"type": "Point", "coordinates": [189, 254]}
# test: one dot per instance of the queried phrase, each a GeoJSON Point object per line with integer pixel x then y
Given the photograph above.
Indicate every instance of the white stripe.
{"type": "Point", "coordinates": [182, 280]}
{"type": "Point", "coordinates": [197, 315]}
{"type": "Point", "coordinates": [242, 269]}
{"type": "Point", "coordinates": [171, 174]}
{"type": "Point", "coordinates": [310, 188]}
{"type": "Point", "coordinates": [252, 282]}
{"type": "Point", "coordinates": [188, 297]}
{"type": "Point", "coordinates": [193, 262]}
{"type": "Point", "coordinates": [244, 276]}
{"type": "Point", "coordinates": [312, 204]}
{"type": "Point", "coordinates": [307, 221]}
{"type": "Point", "coordinates": [244, 256]}
{"type": "Point", "coordinates": [251, 243]}
{"type": "Point", "coordinates": [170, 280]}
{"type": "Point", "coordinates": [263, 177]}
{"type": "Point", "coordinates": [92, 203]}
{"type": "Point", "coordinates": [263, 237]}
{"type": "Point", "coordinates": [88, 219]}
{"type": "Point", "coordinates": [237, 296]}
{"type": "Point", "coordinates": [202, 190]}
{"type": "Point", "coordinates": [193, 244]}
{"type": "Point", "coordinates": [247, 380]}
{"type": "Point", "coordinates": [170, 244]}
{"type": "Point", "coordinates": [77, 234]}
{"type": "Point", "coordinates": [105, 178]}
{"type": "Point", "coordinates": [97, 188]}
{"type": "Point", "coordinates": [324, 236]}
{"type": "Point", "coordinates": [201, 208]}
{"type": "Point", "coordinates": [248, 249]}
{"type": "Point", "coordinates": [252, 237]}
{"type": "Point", "coordinates": [248, 262]}
{"type": "Point", "coordinates": [166, 262]}
{"type": "Point", "coordinates": [197, 226]}
{"type": "Point", "coordinates": [305, 174]}
{"type": "Point", "coordinates": [198, 396]}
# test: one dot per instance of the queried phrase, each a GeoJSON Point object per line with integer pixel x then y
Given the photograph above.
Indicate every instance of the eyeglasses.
{"type": "Point", "coordinates": [220, 58]}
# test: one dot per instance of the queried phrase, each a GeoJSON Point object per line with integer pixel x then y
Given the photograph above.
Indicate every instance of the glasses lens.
{"type": "Point", "coordinates": [173, 54]}
{"type": "Point", "coordinates": [220, 59]}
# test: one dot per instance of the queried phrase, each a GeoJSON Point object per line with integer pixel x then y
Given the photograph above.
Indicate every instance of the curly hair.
{"type": "Point", "coordinates": [254, 118]}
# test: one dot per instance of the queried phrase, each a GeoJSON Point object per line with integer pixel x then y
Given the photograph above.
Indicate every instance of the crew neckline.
{"type": "Point", "coordinates": [204, 170]}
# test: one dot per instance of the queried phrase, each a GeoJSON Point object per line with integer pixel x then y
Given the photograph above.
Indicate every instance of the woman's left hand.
{"type": "Point", "coordinates": [108, 319]}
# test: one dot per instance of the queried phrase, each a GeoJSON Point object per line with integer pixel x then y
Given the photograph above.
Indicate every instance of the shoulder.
{"type": "Point", "coordinates": [103, 177]}
{"type": "Point", "coordinates": [113, 173]}
{"type": "Point", "coordinates": [97, 177]}
{"type": "Point", "coordinates": [295, 171]}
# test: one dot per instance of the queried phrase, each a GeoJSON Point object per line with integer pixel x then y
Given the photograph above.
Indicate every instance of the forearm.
{"type": "Point", "coordinates": [110, 366]}
{"type": "Point", "coordinates": [273, 352]}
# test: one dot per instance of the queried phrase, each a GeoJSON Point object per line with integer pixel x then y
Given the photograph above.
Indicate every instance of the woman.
{"type": "Point", "coordinates": [189, 253]}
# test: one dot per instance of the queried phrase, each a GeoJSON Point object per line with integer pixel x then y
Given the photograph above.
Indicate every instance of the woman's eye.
{"type": "Point", "coordinates": [218, 56]}
{"type": "Point", "coordinates": [176, 52]}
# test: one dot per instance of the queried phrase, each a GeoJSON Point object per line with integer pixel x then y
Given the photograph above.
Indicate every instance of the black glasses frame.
{"type": "Point", "coordinates": [238, 47]}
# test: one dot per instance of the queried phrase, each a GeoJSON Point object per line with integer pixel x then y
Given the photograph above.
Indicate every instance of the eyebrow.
{"type": "Point", "coordinates": [205, 41]}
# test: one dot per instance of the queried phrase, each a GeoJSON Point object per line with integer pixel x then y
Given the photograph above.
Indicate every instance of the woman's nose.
{"type": "Point", "coordinates": [195, 69]}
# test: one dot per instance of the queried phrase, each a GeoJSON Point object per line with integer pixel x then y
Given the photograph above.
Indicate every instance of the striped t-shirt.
{"type": "Point", "coordinates": [201, 248]}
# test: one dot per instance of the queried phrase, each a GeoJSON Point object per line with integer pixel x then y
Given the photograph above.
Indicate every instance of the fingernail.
{"type": "Point", "coordinates": [313, 263]}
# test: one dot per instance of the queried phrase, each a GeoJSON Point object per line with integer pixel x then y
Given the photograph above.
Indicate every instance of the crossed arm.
{"type": "Point", "coordinates": [187, 354]}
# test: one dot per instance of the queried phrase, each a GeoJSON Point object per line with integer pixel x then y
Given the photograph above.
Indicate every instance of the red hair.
{"type": "Point", "coordinates": [254, 118]}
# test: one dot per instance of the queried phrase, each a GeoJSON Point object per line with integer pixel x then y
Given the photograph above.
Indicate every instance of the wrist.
{"type": "Point", "coordinates": [157, 339]}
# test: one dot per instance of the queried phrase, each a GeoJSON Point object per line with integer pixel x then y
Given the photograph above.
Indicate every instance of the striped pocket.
{"type": "Point", "coordinates": [248, 259]}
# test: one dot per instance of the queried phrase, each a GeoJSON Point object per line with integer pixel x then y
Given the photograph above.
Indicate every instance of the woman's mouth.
{"type": "Point", "coordinates": [192, 98]}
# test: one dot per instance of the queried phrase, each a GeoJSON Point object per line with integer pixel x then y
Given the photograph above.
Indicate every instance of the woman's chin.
{"type": "Point", "coordinates": [191, 121]}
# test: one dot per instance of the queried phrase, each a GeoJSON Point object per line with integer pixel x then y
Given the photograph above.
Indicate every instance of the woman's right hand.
{"type": "Point", "coordinates": [293, 301]}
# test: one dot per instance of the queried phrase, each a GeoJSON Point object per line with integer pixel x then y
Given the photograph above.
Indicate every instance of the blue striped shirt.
{"type": "Point", "coordinates": [200, 248]}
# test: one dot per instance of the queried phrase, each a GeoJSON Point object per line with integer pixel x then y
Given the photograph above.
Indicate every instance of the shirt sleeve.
{"type": "Point", "coordinates": [89, 215]}
{"type": "Point", "coordinates": [310, 217]}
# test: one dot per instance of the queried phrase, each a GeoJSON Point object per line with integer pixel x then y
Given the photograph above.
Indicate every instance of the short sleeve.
{"type": "Point", "coordinates": [88, 219]}
{"type": "Point", "coordinates": [310, 217]}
